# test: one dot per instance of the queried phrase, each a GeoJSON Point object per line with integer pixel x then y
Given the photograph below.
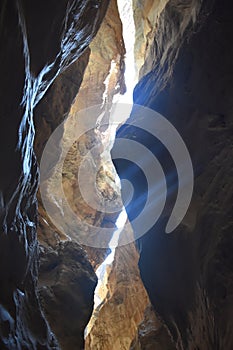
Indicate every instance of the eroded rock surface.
{"type": "Point", "coordinates": [103, 77]}
{"type": "Point", "coordinates": [184, 56]}
{"type": "Point", "coordinates": [33, 53]}
{"type": "Point", "coordinates": [152, 334]}
{"type": "Point", "coordinates": [146, 17]}
{"type": "Point", "coordinates": [188, 274]}
{"type": "Point", "coordinates": [116, 319]}
{"type": "Point", "coordinates": [66, 285]}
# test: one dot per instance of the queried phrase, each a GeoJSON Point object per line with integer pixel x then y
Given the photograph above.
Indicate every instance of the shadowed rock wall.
{"type": "Point", "coordinates": [188, 273]}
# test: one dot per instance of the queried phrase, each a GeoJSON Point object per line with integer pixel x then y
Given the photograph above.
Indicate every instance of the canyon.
{"type": "Point", "coordinates": [63, 284]}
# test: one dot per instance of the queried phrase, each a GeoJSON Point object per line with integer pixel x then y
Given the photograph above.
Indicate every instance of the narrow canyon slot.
{"type": "Point", "coordinates": [116, 167]}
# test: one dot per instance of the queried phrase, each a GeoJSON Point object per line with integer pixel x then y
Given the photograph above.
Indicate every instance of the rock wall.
{"type": "Point", "coordinates": [184, 60]}
{"type": "Point", "coordinates": [115, 321]}
{"type": "Point", "coordinates": [102, 80]}
{"type": "Point", "coordinates": [34, 52]}
{"type": "Point", "coordinates": [146, 17]}
{"type": "Point", "coordinates": [114, 325]}
{"type": "Point", "coordinates": [152, 334]}
{"type": "Point", "coordinates": [93, 79]}
{"type": "Point", "coordinates": [188, 274]}
{"type": "Point", "coordinates": [66, 284]}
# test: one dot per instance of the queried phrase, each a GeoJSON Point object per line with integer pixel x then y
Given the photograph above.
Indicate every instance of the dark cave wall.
{"type": "Point", "coordinates": [66, 285]}
{"type": "Point", "coordinates": [188, 274]}
{"type": "Point", "coordinates": [38, 41]}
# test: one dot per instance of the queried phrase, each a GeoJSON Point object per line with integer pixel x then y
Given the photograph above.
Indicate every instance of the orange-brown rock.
{"type": "Point", "coordinates": [146, 18]}
{"type": "Point", "coordinates": [115, 322]}
{"type": "Point", "coordinates": [103, 79]}
{"type": "Point", "coordinates": [66, 285]}
{"type": "Point", "coordinates": [152, 334]}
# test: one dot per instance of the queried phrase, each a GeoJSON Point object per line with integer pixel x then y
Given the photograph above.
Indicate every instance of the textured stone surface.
{"type": "Point", "coordinates": [146, 17]}
{"type": "Point", "coordinates": [188, 274]}
{"type": "Point", "coordinates": [33, 53]}
{"type": "Point", "coordinates": [104, 75]}
{"type": "Point", "coordinates": [66, 285]}
{"type": "Point", "coordinates": [93, 91]}
{"type": "Point", "coordinates": [115, 321]}
{"type": "Point", "coordinates": [49, 114]}
{"type": "Point", "coordinates": [103, 79]}
{"type": "Point", "coordinates": [174, 25]}
{"type": "Point", "coordinates": [55, 106]}
{"type": "Point", "coordinates": [187, 76]}
{"type": "Point", "coordinates": [152, 335]}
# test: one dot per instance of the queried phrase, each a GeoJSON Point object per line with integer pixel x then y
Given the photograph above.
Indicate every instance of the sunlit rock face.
{"type": "Point", "coordinates": [146, 16]}
{"type": "Point", "coordinates": [164, 42]}
{"type": "Point", "coordinates": [102, 79]}
{"type": "Point", "coordinates": [104, 76]}
{"type": "Point", "coordinates": [38, 41]}
{"type": "Point", "coordinates": [188, 273]}
{"type": "Point", "coordinates": [114, 323]}
{"type": "Point", "coordinates": [49, 114]}
{"type": "Point", "coordinates": [95, 78]}
{"type": "Point", "coordinates": [116, 320]}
